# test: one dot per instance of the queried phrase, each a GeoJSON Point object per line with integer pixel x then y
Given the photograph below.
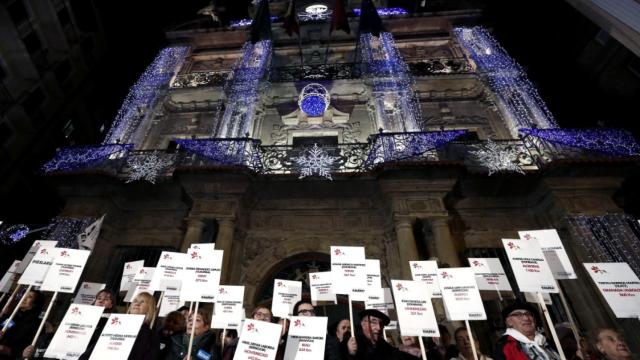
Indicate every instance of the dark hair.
{"type": "Point", "coordinates": [38, 302]}
{"type": "Point", "coordinates": [232, 333]}
{"type": "Point", "coordinates": [182, 308]}
{"type": "Point", "coordinates": [113, 299]}
{"type": "Point", "coordinates": [443, 329]}
{"type": "Point", "coordinates": [297, 305]}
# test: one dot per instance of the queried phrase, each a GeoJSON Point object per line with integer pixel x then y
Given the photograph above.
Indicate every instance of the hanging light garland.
{"type": "Point", "coordinates": [65, 230]}
{"type": "Point", "coordinates": [242, 90]}
{"type": "Point", "coordinates": [81, 157]}
{"type": "Point", "coordinates": [397, 108]}
{"type": "Point", "coordinates": [519, 99]}
{"type": "Point", "coordinates": [236, 152]}
{"type": "Point", "coordinates": [610, 141]}
{"type": "Point", "coordinates": [143, 93]}
{"type": "Point", "coordinates": [395, 11]}
{"type": "Point", "coordinates": [246, 22]}
{"type": "Point", "coordinates": [13, 233]}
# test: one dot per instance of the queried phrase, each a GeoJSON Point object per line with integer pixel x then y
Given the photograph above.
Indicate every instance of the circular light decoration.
{"type": "Point", "coordinates": [315, 12]}
{"type": "Point", "coordinates": [14, 233]}
{"type": "Point", "coordinates": [314, 99]}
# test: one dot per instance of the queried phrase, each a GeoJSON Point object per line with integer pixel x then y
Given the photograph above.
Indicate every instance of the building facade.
{"type": "Point", "coordinates": [426, 141]}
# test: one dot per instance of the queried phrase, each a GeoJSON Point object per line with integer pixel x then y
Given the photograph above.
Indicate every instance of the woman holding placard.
{"type": "Point", "coordinates": [204, 341]}
{"type": "Point", "coordinates": [107, 299]}
{"type": "Point", "coordinates": [465, 352]}
{"type": "Point", "coordinates": [22, 327]}
{"type": "Point", "coordinates": [610, 343]}
{"type": "Point", "coordinates": [147, 345]}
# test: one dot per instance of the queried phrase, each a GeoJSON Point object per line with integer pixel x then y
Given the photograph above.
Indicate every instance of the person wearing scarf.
{"type": "Point", "coordinates": [522, 341]}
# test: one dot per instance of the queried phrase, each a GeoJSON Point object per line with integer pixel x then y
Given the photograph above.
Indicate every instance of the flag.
{"type": "Point", "coordinates": [291, 24]}
{"type": "Point", "coordinates": [370, 21]}
{"type": "Point", "coordinates": [87, 238]}
{"type": "Point", "coordinates": [339, 20]}
{"type": "Point", "coordinates": [261, 25]}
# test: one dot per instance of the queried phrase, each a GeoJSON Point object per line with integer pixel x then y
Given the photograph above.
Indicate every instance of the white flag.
{"type": "Point", "coordinates": [87, 238]}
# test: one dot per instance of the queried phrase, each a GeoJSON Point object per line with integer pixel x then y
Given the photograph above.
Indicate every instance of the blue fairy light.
{"type": "Point", "coordinates": [79, 157]}
{"type": "Point", "coordinates": [313, 105]}
{"type": "Point", "coordinates": [386, 11]}
{"type": "Point", "coordinates": [610, 141]}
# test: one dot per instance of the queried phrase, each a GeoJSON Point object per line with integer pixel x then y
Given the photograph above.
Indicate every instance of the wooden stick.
{"type": "Point", "coordinates": [44, 318]}
{"type": "Point", "coordinates": [351, 316]}
{"type": "Point", "coordinates": [550, 323]}
{"type": "Point", "coordinates": [572, 322]}
{"type": "Point", "coordinates": [473, 344]}
{"type": "Point", "coordinates": [424, 352]}
{"type": "Point", "coordinates": [224, 335]}
{"type": "Point", "coordinates": [13, 294]}
{"type": "Point", "coordinates": [15, 311]}
{"type": "Point", "coordinates": [193, 329]}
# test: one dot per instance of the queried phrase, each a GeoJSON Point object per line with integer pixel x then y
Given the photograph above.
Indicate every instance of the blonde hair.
{"type": "Point", "coordinates": [151, 310]}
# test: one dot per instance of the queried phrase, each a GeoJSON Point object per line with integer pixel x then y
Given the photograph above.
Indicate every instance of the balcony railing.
{"type": "Point", "coordinates": [199, 79]}
{"type": "Point", "coordinates": [522, 156]}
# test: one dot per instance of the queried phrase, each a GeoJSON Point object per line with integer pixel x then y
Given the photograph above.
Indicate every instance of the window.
{"type": "Point", "coordinates": [32, 42]}
{"type": "Point", "coordinates": [17, 12]}
{"type": "Point", "coordinates": [62, 70]}
{"type": "Point", "coordinates": [5, 133]}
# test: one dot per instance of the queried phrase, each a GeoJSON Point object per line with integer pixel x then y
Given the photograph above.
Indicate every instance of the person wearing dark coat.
{"type": "Point", "coordinates": [204, 340]}
{"type": "Point", "coordinates": [230, 342]}
{"type": "Point", "coordinates": [370, 345]}
{"type": "Point", "coordinates": [23, 326]}
{"type": "Point", "coordinates": [335, 334]}
{"type": "Point", "coordinates": [107, 299]}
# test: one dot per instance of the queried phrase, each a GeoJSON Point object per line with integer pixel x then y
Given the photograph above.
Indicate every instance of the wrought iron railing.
{"type": "Point", "coordinates": [315, 72]}
{"type": "Point", "coordinates": [308, 161]}
{"type": "Point", "coordinates": [429, 67]}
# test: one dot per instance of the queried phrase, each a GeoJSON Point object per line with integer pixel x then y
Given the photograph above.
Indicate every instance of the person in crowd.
{"type": "Point", "coordinates": [22, 328]}
{"type": "Point", "coordinates": [147, 344]}
{"type": "Point", "coordinates": [336, 332]}
{"type": "Point", "coordinates": [410, 345]}
{"type": "Point", "coordinates": [204, 340]}
{"type": "Point", "coordinates": [230, 343]}
{"type": "Point", "coordinates": [440, 348]}
{"type": "Point", "coordinates": [107, 299]}
{"type": "Point", "coordinates": [370, 344]}
{"type": "Point", "coordinates": [463, 343]}
{"type": "Point", "coordinates": [568, 341]}
{"type": "Point", "coordinates": [262, 313]}
{"type": "Point", "coordinates": [184, 310]}
{"type": "Point", "coordinates": [522, 341]}
{"type": "Point", "coordinates": [611, 344]}
{"type": "Point", "coordinates": [174, 324]}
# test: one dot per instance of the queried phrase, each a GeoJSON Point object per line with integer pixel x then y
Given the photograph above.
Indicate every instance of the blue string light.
{"type": "Point", "coordinates": [610, 141]}
{"type": "Point", "coordinates": [14, 233]}
{"type": "Point", "coordinates": [247, 22]}
{"type": "Point", "coordinates": [79, 157]}
{"type": "Point", "coordinates": [143, 93]}
{"type": "Point", "coordinates": [397, 108]}
{"type": "Point", "coordinates": [313, 105]}
{"type": "Point", "coordinates": [386, 11]}
{"type": "Point", "coordinates": [239, 152]}
{"type": "Point", "coordinates": [391, 147]}
{"type": "Point", "coordinates": [65, 230]}
{"type": "Point", "coordinates": [518, 98]}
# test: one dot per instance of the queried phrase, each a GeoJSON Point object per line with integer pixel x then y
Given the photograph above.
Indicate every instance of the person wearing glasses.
{"type": "Point", "coordinates": [522, 341]}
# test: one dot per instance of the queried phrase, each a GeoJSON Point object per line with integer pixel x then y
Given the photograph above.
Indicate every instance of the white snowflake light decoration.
{"type": "Point", "coordinates": [148, 166]}
{"type": "Point", "coordinates": [497, 159]}
{"type": "Point", "coordinates": [316, 161]}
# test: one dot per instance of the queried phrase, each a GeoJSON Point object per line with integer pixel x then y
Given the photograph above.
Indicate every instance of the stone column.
{"type": "Point", "coordinates": [406, 245]}
{"type": "Point", "coordinates": [193, 234]}
{"type": "Point", "coordinates": [224, 241]}
{"type": "Point", "coordinates": [445, 248]}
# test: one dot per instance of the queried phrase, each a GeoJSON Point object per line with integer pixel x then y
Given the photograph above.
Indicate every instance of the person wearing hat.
{"type": "Point", "coordinates": [370, 344]}
{"type": "Point", "coordinates": [522, 341]}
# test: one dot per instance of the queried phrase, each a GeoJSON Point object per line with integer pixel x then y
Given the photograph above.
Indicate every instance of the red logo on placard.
{"type": "Point", "coordinates": [222, 291]}
{"type": "Point", "coordinates": [86, 286]}
{"type": "Point", "coordinates": [115, 321]}
{"type": "Point", "coordinates": [513, 246]}
{"type": "Point", "coordinates": [298, 322]}
{"type": "Point", "coordinates": [64, 253]}
{"type": "Point", "coordinates": [477, 263]}
{"type": "Point", "coordinates": [597, 270]}
{"type": "Point", "coordinates": [280, 284]}
{"type": "Point", "coordinates": [128, 267]}
{"type": "Point", "coordinates": [251, 327]}
{"type": "Point", "coordinates": [446, 275]}
{"type": "Point", "coordinates": [36, 244]}
{"type": "Point", "coordinates": [528, 237]}
{"type": "Point", "coordinates": [338, 252]}
{"type": "Point", "coordinates": [400, 287]}
{"type": "Point", "coordinates": [44, 251]}
{"type": "Point", "coordinates": [196, 247]}
{"type": "Point", "coordinates": [314, 277]}
{"type": "Point", "coordinates": [142, 271]}
{"type": "Point", "coordinates": [416, 266]}
{"type": "Point", "coordinates": [76, 311]}
{"type": "Point", "coordinates": [194, 255]}
{"type": "Point", "coordinates": [166, 256]}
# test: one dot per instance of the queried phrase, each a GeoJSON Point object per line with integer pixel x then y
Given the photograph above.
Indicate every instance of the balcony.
{"type": "Point", "coordinates": [533, 152]}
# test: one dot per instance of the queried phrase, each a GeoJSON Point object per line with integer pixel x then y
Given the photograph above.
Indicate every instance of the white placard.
{"type": "Point", "coordinates": [228, 309]}
{"type": "Point", "coordinates": [619, 286]}
{"type": "Point", "coordinates": [64, 273]}
{"type": "Point", "coordinates": [286, 294]}
{"type": "Point", "coordinates": [533, 298]}
{"type": "Point", "coordinates": [140, 282]}
{"type": "Point", "coordinates": [32, 252]}
{"type": "Point", "coordinates": [348, 268]}
{"type": "Point", "coordinates": [170, 267]}
{"type": "Point", "coordinates": [74, 332]}
{"type": "Point", "coordinates": [258, 340]}
{"type": "Point", "coordinates": [388, 298]}
{"type": "Point", "coordinates": [202, 247]}
{"type": "Point", "coordinates": [529, 266]}
{"type": "Point", "coordinates": [553, 251]}
{"type": "Point", "coordinates": [426, 272]}
{"type": "Point", "coordinates": [129, 272]}
{"type": "Point", "coordinates": [372, 268]}
{"type": "Point", "coordinates": [376, 300]}
{"type": "Point", "coordinates": [171, 298]}
{"type": "Point", "coordinates": [9, 277]}
{"type": "Point", "coordinates": [320, 287]}
{"type": "Point", "coordinates": [36, 270]}
{"type": "Point", "coordinates": [118, 337]}
{"type": "Point", "coordinates": [490, 274]}
{"type": "Point", "coordinates": [306, 339]}
{"type": "Point", "coordinates": [202, 276]}
{"type": "Point", "coordinates": [460, 294]}
{"type": "Point", "coordinates": [414, 308]}
{"type": "Point", "coordinates": [87, 291]}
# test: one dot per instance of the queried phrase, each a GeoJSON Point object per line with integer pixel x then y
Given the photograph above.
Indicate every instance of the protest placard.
{"type": "Point", "coordinates": [372, 269]}
{"type": "Point", "coordinates": [348, 268]}
{"type": "Point", "coordinates": [286, 294]}
{"type": "Point", "coordinates": [490, 274]}
{"type": "Point", "coordinates": [65, 271]}
{"type": "Point", "coordinates": [118, 336]}
{"type": "Point", "coordinates": [529, 266]}
{"type": "Point", "coordinates": [32, 252]}
{"type": "Point", "coordinates": [201, 276]}
{"type": "Point", "coordinates": [619, 286]}
{"type": "Point", "coordinates": [306, 339]}
{"type": "Point", "coordinates": [37, 269]}
{"type": "Point", "coordinates": [201, 247]}
{"type": "Point", "coordinates": [320, 287]}
{"type": "Point", "coordinates": [9, 277]}
{"type": "Point", "coordinates": [414, 308]}
{"type": "Point", "coordinates": [74, 332]}
{"type": "Point", "coordinates": [553, 251]}
{"type": "Point", "coordinates": [460, 294]}
{"type": "Point", "coordinates": [87, 292]}
{"type": "Point", "coordinates": [533, 298]}
{"type": "Point", "coordinates": [140, 283]}
{"type": "Point", "coordinates": [129, 272]}
{"type": "Point", "coordinates": [171, 299]}
{"type": "Point", "coordinates": [170, 267]}
{"type": "Point", "coordinates": [426, 272]}
{"type": "Point", "coordinates": [228, 308]}
{"type": "Point", "coordinates": [258, 340]}
{"type": "Point", "coordinates": [376, 300]}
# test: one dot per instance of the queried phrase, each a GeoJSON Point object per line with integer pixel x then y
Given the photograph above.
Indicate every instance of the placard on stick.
{"type": "Point", "coordinates": [140, 283]}
{"type": "Point", "coordinates": [87, 291]}
{"type": "Point", "coordinates": [460, 294]}
{"type": "Point", "coordinates": [348, 268]}
{"type": "Point", "coordinates": [258, 340]}
{"type": "Point", "coordinates": [306, 339]}
{"type": "Point", "coordinates": [426, 272]}
{"type": "Point", "coordinates": [553, 250]}
{"type": "Point", "coordinates": [170, 267]}
{"type": "Point", "coordinates": [286, 294]}
{"type": "Point", "coordinates": [202, 276]}
{"type": "Point", "coordinates": [129, 272]}
{"type": "Point", "coordinates": [619, 286]}
{"type": "Point", "coordinates": [37, 269]}
{"type": "Point", "coordinates": [118, 337]}
{"type": "Point", "coordinates": [74, 332]}
{"type": "Point", "coordinates": [490, 274]}
{"type": "Point", "coordinates": [320, 287]}
{"type": "Point", "coordinates": [65, 271]}
{"type": "Point", "coordinates": [32, 252]}
{"type": "Point", "coordinates": [529, 266]}
{"type": "Point", "coordinates": [9, 277]}
{"type": "Point", "coordinates": [228, 308]}
{"type": "Point", "coordinates": [414, 308]}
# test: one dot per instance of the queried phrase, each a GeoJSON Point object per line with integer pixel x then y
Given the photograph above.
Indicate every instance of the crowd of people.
{"type": "Point", "coordinates": [170, 337]}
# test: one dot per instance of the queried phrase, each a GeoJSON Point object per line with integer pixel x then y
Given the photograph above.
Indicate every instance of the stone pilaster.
{"type": "Point", "coordinates": [406, 245]}
{"type": "Point", "coordinates": [444, 244]}
{"type": "Point", "coordinates": [195, 225]}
